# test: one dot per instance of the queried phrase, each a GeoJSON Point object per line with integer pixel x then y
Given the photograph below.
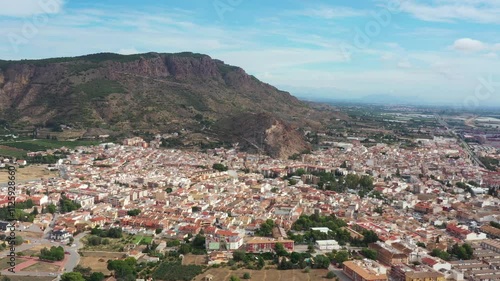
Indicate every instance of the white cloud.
{"type": "Point", "coordinates": [469, 45]}
{"type": "Point", "coordinates": [128, 51]}
{"type": "Point", "coordinates": [491, 55]}
{"type": "Point", "coordinates": [25, 8]}
{"type": "Point", "coordinates": [405, 64]}
{"type": "Point", "coordinates": [330, 12]}
{"type": "Point", "coordinates": [481, 11]}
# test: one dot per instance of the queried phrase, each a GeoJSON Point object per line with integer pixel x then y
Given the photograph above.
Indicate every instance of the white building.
{"type": "Point", "coordinates": [85, 201]}
{"type": "Point", "coordinates": [327, 245]}
{"type": "Point", "coordinates": [321, 229]}
{"type": "Point", "coordinates": [60, 235]}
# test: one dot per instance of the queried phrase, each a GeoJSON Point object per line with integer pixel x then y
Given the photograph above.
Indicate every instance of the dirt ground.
{"type": "Point", "coordinates": [5, 265]}
{"type": "Point", "coordinates": [91, 259]}
{"type": "Point", "coordinates": [30, 172]}
{"type": "Point", "coordinates": [195, 259]}
{"type": "Point", "coordinates": [36, 249]}
{"type": "Point", "coordinates": [42, 267]}
{"type": "Point", "coordinates": [107, 255]}
{"type": "Point", "coordinates": [30, 278]}
{"type": "Point", "coordinates": [28, 235]}
{"type": "Point", "coordinates": [223, 274]}
{"type": "Point", "coordinates": [95, 264]}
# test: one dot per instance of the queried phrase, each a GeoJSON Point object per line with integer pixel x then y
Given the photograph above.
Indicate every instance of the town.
{"type": "Point", "coordinates": [379, 212]}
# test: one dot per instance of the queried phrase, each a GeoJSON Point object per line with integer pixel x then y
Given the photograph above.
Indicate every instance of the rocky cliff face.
{"type": "Point", "coordinates": [150, 92]}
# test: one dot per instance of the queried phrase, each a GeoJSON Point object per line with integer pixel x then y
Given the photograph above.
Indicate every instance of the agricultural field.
{"type": "Point", "coordinates": [44, 144]}
{"type": "Point", "coordinates": [19, 148]}
{"type": "Point", "coordinates": [144, 239]}
{"type": "Point", "coordinates": [11, 152]}
{"type": "Point", "coordinates": [223, 274]}
{"type": "Point", "coordinates": [194, 259]}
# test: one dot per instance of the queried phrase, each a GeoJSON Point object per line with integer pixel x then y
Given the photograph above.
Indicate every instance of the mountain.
{"type": "Point", "coordinates": [156, 93]}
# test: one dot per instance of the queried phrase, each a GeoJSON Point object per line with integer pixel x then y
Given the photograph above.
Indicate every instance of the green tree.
{"type": "Point", "coordinates": [246, 275]}
{"type": "Point", "coordinates": [280, 250]}
{"type": "Point", "coordinates": [341, 256]}
{"type": "Point", "coordinates": [219, 167]}
{"type": "Point", "coordinates": [441, 254]}
{"type": "Point", "coordinates": [321, 261]}
{"type": "Point", "coordinates": [85, 271]}
{"type": "Point", "coordinates": [421, 244]}
{"type": "Point", "coordinates": [96, 276]}
{"type": "Point", "coordinates": [18, 240]}
{"type": "Point", "coordinates": [300, 172]}
{"type": "Point", "coordinates": [234, 278]}
{"type": "Point", "coordinates": [266, 228]}
{"type": "Point", "coordinates": [72, 276]}
{"type": "Point", "coordinates": [185, 249]}
{"type": "Point", "coordinates": [133, 212]}
{"type": "Point", "coordinates": [51, 208]}
{"type": "Point", "coordinates": [124, 269]}
{"type": "Point", "coordinates": [369, 253]}
{"type": "Point", "coordinates": [352, 181]}
{"type": "Point", "coordinates": [239, 255]}
{"type": "Point", "coordinates": [331, 275]}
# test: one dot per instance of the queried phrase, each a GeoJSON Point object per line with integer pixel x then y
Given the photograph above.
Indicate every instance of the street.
{"type": "Point", "coordinates": [71, 260]}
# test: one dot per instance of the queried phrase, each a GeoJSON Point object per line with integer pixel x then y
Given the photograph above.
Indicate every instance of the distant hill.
{"type": "Point", "coordinates": [153, 92]}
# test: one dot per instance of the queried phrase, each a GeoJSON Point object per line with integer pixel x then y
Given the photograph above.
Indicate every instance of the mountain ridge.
{"type": "Point", "coordinates": [150, 92]}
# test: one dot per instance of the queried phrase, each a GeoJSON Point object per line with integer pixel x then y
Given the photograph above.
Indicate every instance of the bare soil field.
{"type": "Point", "coordinates": [28, 235]}
{"type": "Point", "coordinates": [107, 255]}
{"type": "Point", "coordinates": [42, 267]}
{"type": "Point", "coordinates": [98, 260]}
{"type": "Point", "coordinates": [30, 172]}
{"type": "Point", "coordinates": [98, 264]}
{"type": "Point", "coordinates": [36, 249]}
{"type": "Point", "coordinates": [30, 278]}
{"type": "Point", "coordinates": [223, 274]}
{"type": "Point", "coordinates": [195, 259]}
{"type": "Point", "coordinates": [5, 265]}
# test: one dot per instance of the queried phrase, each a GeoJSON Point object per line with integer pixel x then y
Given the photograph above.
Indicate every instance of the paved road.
{"type": "Point", "coordinates": [74, 257]}
{"type": "Point", "coordinates": [340, 274]}
{"type": "Point", "coordinates": [464, 144]}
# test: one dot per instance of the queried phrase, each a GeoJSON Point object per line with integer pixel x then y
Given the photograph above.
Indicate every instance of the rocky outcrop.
{"type": "Point", "coordinates": [263, 133]}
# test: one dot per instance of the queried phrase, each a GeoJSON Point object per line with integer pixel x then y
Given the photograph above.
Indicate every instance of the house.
{"type": "Point", "coordinates": [60, 235]}
{"type": "Point", "coordinates": [4, 225]}
{"type": "Point", "coordinates": [223, 240]}
{"type": "Point", "coordinates": [387, 254]}
{"type": "Point", "coordinates": [364, 270]}
{"type": "Point", "coordinates": [261, 244]}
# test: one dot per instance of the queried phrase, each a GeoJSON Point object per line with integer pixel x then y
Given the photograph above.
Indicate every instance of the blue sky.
{"type": "Point", "coordinates": [443, 51]}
